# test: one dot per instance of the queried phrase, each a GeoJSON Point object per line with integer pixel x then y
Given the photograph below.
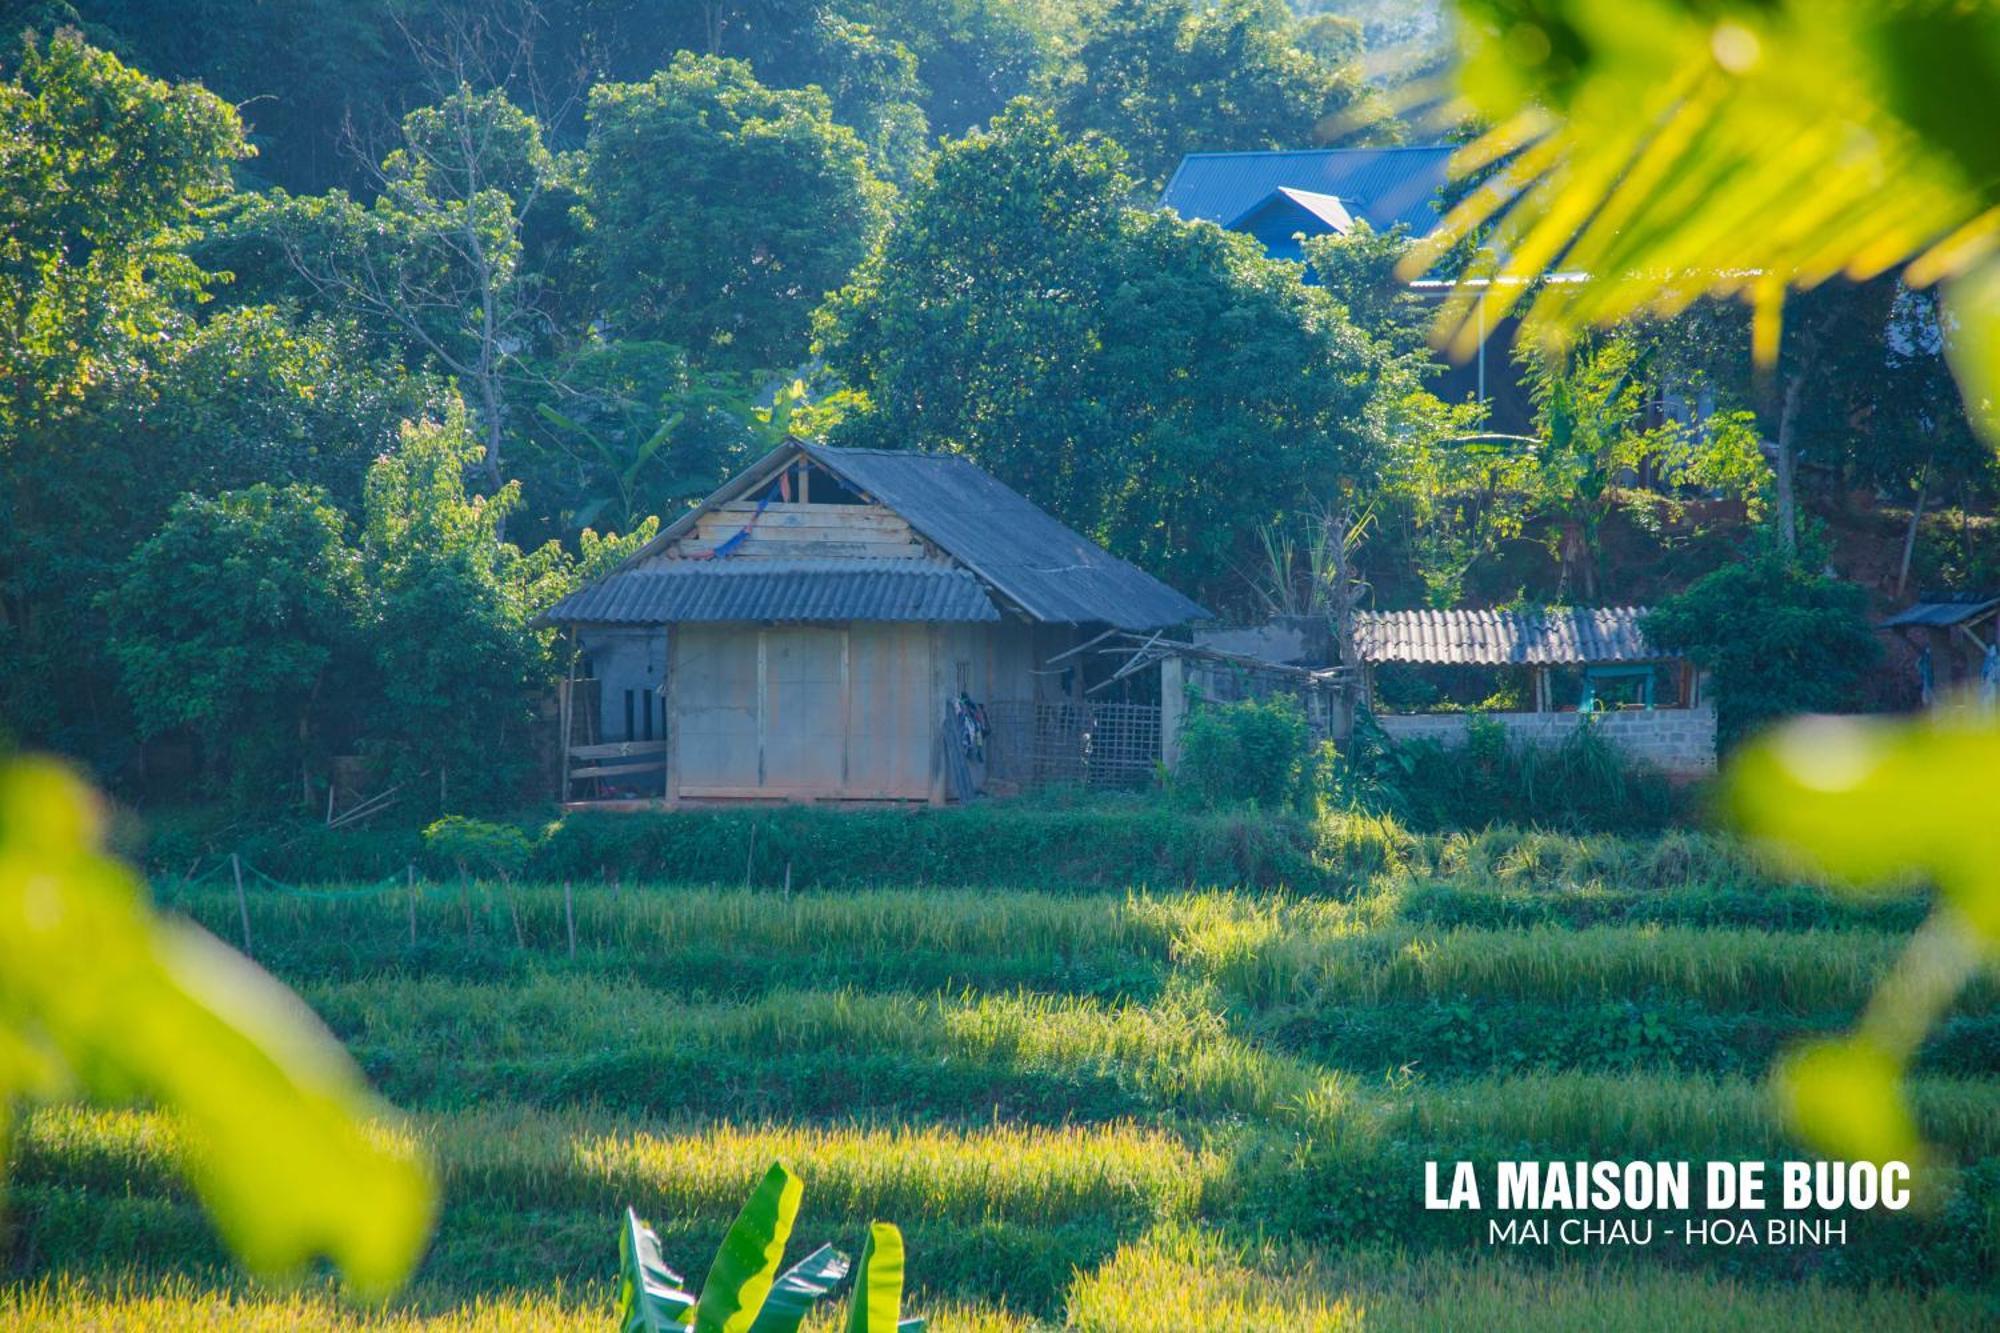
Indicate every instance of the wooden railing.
{"type": "Point", "coordinates": [643, 756]}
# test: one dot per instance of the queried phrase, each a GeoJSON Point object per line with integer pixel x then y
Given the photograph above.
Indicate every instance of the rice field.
{"type": "Point", "coordinates": [1105, 1110]}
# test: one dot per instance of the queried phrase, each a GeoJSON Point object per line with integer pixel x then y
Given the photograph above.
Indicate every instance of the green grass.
{"type": "Point", "coordinates": [1079, 1104]}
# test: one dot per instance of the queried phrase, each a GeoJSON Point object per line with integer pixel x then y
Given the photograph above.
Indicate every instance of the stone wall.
{"type": "Point", "coordinates": [1679, 740]}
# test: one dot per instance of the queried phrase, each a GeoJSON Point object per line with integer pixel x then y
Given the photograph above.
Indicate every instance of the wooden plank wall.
{"type": "Point", "coordinates": [801, 532]}
{"type": "Point", "coordinates": [803, 712]}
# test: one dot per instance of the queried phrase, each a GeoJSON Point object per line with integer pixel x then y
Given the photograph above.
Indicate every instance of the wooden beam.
{"type": "Point", "coordinates": [618, 749]}
{"type": "Point", "coordinates": [614, 770]}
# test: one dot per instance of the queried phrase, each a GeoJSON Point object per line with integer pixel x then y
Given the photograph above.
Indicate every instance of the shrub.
{"type": "Point", "coordinates": [1584, 784]}
{"type": "Point", "coordinates": [1258, 750]}
{"type": "Point", "coordinates": [1777, 639]}
{"type": "Point", "coordinates": [475, 847]}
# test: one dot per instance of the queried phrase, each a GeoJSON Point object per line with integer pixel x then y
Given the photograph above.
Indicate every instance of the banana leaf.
{"type": "Point", "coordinates": [801, 1287]}
{"type": "Point", "coordinates": [650, 1296]}
{"type": "Point", "coordinates": [747, 1264]}
{"type": "Point", "coordinates": [878, 1291]}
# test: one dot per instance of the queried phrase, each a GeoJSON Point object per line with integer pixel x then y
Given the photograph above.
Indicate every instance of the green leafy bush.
{"type": "Point", "coordinates": [1258, 750]}
{"type": "Point", "coordinates": [1583, 785]}
{"type": "Point", "coordinates": [1777, 639]}
{"type": "Point", "coordinates": [474, 847]}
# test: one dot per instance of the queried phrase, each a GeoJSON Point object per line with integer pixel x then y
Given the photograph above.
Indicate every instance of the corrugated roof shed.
{"type": "Point", "coordinates": [1940, 615]}
{"type": "Point", "coordinates": [1049, 571]}
{"type": "Point", "coordinates": [1002, 544]}
{"type": "Point", "coordinates": [792, 590]}
{"type": "Point", "coordinates": [1386, 186]}
{"type": "Point", "coordinates": [1504, 638]}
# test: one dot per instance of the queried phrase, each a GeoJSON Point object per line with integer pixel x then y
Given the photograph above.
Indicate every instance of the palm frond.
{"type": "Point", "coordinates": [1665, 150]}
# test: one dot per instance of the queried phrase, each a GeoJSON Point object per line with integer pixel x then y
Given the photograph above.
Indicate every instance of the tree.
{"type": "Point", "coordinates": [230, 622]}
{"type": "Point", "coordinates": [447, 628]}
{"type": "Point", "coordinates": [438, 256]}
{"type": "Point", "coordinates": [102, 171]}
{"type": "Point", "coordinates": [1160, 385]}
{"type": "Point", "coordinates": [1777, 639]}
{"type": "Point", "coordinates": [1169, 77]}
{"type": "Point", "coordinates": [720, 211]}
{"type": "Point", "coordinates": [1592, 403]}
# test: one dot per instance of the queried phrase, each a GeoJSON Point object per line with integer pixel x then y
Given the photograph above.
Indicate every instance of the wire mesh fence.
{"type": "Point", "coordinates": [1093, 744]}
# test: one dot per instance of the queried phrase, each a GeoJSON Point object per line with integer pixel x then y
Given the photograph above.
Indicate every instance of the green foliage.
{"type": "Point", "coordinates": [476, 847]}
{"type": "Point", "coordinates": [1775, 638]}
{"type": "Point", "coordinates": [236, 620]}
{"type": "Point", "coordinates": [103, 168]}
{"type": "Point", "coordinates": [744, 1292]}
{"type": "Point", "coordinates": [878, 1290]}
{"type": "Point", "coordinates": [449, 609]}
{"type": "Point", "coordinates": [254, 620]}
{"type": "Point", "coordinates": [1872, 805]}
{"type": "Point", "coordinates": [98, 995]}
{"type": "Point", "coordinates": [1585, 783]}
{"type": "Point", "coordinates": [1255, 750]}
{"type": "Point", "coordinates": [1159, 385]}
{"type": "Point", "coordinates": [719, 211]}
{"type": "Point", "coordinates": [747, 1262]}
{"type": "Point", "coordinates": [1169, 77]}
{"type": "Point", "coordinates": [1674, 148]}
{"type": "Point", "coordinates": [102, 173]}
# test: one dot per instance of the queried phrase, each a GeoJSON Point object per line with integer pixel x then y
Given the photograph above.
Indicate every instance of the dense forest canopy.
{"type": "Point", "coordinates": [340, 338]}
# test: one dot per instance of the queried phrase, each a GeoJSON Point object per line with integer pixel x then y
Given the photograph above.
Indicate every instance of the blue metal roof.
{"type": "Point", "coordinates": [1941, 615]}
{"type": "Point", "coordinates": [793, 590]}
{"type": "Point", "coordinates": [1383, 186]}
{"type": "Point", "coordinates": [1324, 209]}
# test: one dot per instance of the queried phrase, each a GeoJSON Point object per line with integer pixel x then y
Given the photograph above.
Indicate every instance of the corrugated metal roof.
{"type": "Point", "coordinates": [1050, 572]}
{"type": "Point", "coordinates": [712, 590]}
{"type": "Point", "coordinates": [1386, 186]}
{"type": "Point", "coordinates": [1504, 638]}
{"type": "Point", "coordinates": [1324, 207]}
{"type": "Point", "coordinates": [1940, 615]}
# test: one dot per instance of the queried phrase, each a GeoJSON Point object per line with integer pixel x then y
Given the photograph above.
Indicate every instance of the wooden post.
{"type": "Point", "coordinates": [788, 879]}
{"type": "Point", "coordinates": [514, 910]}
{"type": "Point", "coordinates": [410, 878]}
{"type": "Point", "coordinates": [568, 717]}
{"type": "Point", "coordinates": [1173, 710]}
{"type": "Point", "coordinates": [750, 857]}
{"type": "Point", "coordinates": [671, 788]}
{"type": "Point", "coordinates": [242, 902]}
{"type": "Point", "coordinates": [569, 916]}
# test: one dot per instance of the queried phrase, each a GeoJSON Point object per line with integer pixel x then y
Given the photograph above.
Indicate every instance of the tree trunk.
{"type": "Point", "coordinates": [1338, 526]}
{"type": "Point", "coordinates": [1788, 450]}
{"type": "Point", "coordinates": [1910, 536]}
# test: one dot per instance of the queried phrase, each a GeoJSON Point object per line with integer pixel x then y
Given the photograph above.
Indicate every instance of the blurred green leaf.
{"type": "Point", "coordinates": [1674, 148]}
{"type": "Point", "coordinates": [291, 1159]}
{"type": "Point", "coordinates": [1874, 803]}
{"type": "Point", "coordinates": [1846, 1096]}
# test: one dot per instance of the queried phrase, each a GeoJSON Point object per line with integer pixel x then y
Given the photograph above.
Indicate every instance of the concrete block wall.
{"type": "Point", "coordinates": [1678, 740]}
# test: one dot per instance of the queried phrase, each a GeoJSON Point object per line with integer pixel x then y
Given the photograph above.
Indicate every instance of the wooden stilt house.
{"type": "Point", "coordinates": [845, 624]}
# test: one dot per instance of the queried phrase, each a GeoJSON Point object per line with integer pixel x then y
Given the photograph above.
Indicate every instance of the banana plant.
{"type": "Point", "coordinates": [744, 1291]}
{"type": "Point", "coordinates": [625, 471]}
